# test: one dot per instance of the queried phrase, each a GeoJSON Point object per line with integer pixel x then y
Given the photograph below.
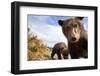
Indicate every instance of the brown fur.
{"type": "Point", "coordinates": [77, 37]}
{"type": "Point", "coordinates": [61, 50]}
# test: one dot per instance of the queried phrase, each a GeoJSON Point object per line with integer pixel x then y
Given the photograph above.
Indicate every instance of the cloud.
{"type": "Point", "coordinates": [85, 23]}
{"type": "Point", "coordinates": [49, 34]}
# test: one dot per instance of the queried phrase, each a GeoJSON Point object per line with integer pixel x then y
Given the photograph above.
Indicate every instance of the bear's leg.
{"type": "Point", "coordinates": [52, 54]}
{"type": "Point", "coordinates": [73, 56]}
{"type": "Point", "coordinates": [65, 57]}
{"type": "Point", "coordinates": [85, 54]}
{"type": "Point", "coordinates": [59, 55]}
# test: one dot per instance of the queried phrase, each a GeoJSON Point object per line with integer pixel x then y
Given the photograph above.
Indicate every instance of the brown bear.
{"type": "Point", "coordinates": [77, 37]}
{"type": "Point", "coordinates": [61, 50]}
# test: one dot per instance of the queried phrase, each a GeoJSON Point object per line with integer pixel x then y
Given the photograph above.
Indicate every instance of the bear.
{"type": "Point", "coordinates": [77, 37]}
{"type": "Point", "coordinates": [61, 50]}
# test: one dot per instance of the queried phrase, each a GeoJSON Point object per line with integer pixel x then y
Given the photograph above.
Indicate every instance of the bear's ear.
{"type": "Point", "coordinates": [80, 18]}
{"type": "Point", "coordinates": [60, 22]}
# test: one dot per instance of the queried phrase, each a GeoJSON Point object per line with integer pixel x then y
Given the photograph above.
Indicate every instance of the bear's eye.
{"type": "Point", "coordinates": [75, 26]}
{"type": "Point", "coordinates": [68, 27]}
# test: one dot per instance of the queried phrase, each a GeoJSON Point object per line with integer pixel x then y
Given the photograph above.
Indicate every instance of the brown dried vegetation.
{"type": "Point", "coordinates": [37, 50]}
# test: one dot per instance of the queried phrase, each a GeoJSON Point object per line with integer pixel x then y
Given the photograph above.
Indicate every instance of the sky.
{"type": "Point", "coordinates": [48, 29]}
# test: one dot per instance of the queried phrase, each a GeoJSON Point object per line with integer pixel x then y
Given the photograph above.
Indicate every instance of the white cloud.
{"type": "Point", "coordinates": [48, 33]}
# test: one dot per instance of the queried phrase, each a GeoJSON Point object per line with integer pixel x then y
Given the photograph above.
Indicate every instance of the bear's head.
{"type": "Point", "coordinates": [72, 29]}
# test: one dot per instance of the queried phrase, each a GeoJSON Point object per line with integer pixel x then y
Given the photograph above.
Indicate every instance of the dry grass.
{"type": "Point", "coordinates": [37, 50]}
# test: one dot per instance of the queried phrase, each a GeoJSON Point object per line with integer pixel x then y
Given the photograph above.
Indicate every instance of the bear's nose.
{"type": "Point", "coordinates": [73, 39]}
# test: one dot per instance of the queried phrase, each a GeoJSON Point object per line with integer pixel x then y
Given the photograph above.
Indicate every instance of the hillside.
{"type": "Point", "coordinates": [37, 49]}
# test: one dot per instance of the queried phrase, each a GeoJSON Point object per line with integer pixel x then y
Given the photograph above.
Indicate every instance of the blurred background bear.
{"type": "Point", "coordinates": [61, 49]}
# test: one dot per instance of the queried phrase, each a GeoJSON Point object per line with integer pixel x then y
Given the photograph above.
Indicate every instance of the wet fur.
{"type": "Point", "coordinates": [78, 49]}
